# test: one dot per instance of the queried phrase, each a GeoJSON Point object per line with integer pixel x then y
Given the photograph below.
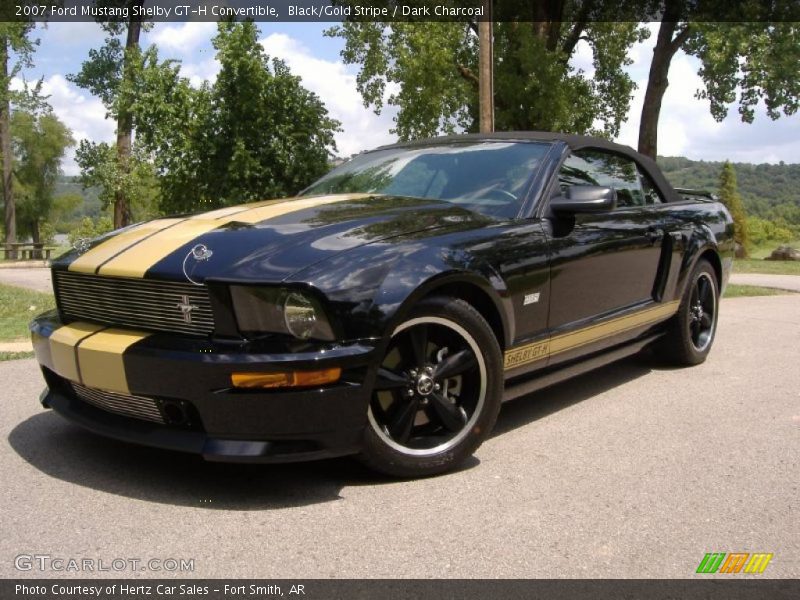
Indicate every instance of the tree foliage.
{"type": "Point", "coordinates": [428, 71]}
{"type": "Point", "coordinates": [101, 169]}
{"type": "Point", "coordinates": [110, 74]}
{"type": "Point", "coordinates": [254, 133]}
{"type": "Point", "coordinates": [751, 62]}
{"type": "Point", "coordinates": [748, 59]}
{"type": "Point", "coordinates": [39, 143]}
{"type": "Point", "coordinates": [729, 195]}
{"type": "Point", "coordinates": [14, 38]}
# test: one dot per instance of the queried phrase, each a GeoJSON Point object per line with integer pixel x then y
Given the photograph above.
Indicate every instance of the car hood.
{"type": "Point", "coordinates": [265, 241]}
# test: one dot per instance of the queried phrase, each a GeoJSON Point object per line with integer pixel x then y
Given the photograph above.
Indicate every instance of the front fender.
{"type": "Point", "coordinates": [408, 283]}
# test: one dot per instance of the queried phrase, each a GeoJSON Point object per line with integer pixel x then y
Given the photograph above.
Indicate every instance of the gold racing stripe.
{"type": "Point", "coordinates": [100, 357]}
{"type": "Point", "coordinates": [541, 349]}
{"type": "Point", "coordinates": [88, 262]}
{"type": "Point", "coordinates": [136, 261]}
{"type": "Point", "coordinates": [63, 359]}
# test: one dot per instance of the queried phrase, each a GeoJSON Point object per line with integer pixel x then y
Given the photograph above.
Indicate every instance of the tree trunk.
{"type": "Point", "coordinates": [5, 150]}
{"type": "Point", "coordinates": [657, 81]}
{"type": "Point", "coordinates": [122, 208]}
{"type": "Point", "coordinates": [486, 71]}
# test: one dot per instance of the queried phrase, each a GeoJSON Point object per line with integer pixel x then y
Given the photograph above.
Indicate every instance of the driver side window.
{"type": "Point", "coordinates": [598, 167]}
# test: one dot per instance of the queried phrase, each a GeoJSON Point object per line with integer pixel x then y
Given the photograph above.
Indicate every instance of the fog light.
{"type": "Point", "coordinates": [291, 379]}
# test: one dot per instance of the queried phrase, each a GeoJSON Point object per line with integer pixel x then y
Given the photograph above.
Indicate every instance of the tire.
{"type": "Point", "coordinates": [437, 391]}
{"type": "Point", "coordinates": [692, 331]}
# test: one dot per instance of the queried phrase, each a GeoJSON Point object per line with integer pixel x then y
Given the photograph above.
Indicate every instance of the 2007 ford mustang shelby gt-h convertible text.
{"type": "Point", "coordinates": [387, 310]}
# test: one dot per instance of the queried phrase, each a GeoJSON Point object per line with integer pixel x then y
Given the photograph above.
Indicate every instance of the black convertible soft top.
{"type": "Point", "coordinates": [573, 141]}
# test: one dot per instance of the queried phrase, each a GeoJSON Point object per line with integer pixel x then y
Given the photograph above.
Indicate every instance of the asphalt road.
{"type": "Point", "coordinates": [632, 471]}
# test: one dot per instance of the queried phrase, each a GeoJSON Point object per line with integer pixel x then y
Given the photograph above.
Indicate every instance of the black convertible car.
{"type": "Point", "coordinates": [389, 308]}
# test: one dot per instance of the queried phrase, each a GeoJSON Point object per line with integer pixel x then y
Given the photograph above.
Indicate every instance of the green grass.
{"type": "Point", "coordinates": [15, 355]}
{"type": "Point", "coordinates": [765, 250]}
{"type": "Point", "coordinates": [60, 250]}
{"type": "Point", "coordinates": [771, 267]}
{"type": "Point", "coordinates": [17, 307]}
{"type": "Point", "coordinates": [740, 291]}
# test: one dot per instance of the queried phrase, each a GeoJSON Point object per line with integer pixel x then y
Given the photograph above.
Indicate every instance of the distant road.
{"type": "Point", "coordinates": [781, 282]}
{"type": "Point", "coordinates": [37, 278]}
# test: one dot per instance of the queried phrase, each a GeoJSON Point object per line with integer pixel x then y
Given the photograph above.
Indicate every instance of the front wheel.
{"type": "Point", "coordinates": [437, 391]}
{"type": "Point", "coordinates": [692, 331]}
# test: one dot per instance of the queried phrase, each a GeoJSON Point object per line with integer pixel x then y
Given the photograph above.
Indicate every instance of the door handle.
{"type": "Point", "coordinates": [654, 235]}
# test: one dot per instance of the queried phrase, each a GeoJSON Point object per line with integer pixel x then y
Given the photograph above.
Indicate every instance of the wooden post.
{"type": "Point", "coordinates": [486, 70]}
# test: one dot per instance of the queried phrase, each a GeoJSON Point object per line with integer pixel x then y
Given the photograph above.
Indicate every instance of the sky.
{"type": "Point", "coordinates": [686, 127]}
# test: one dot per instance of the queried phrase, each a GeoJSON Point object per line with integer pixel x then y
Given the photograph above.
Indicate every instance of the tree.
{"type": "Point", "coordinates": [39, 144]}
{"type": "Point", "coordinates": [729, 195]}
{"type": "Point", "coordinates": [14, 38]}
{"type": "Point", "coordinates": [255, 133]}
{"type": "Point", "coordinates": [110, 74]}
{"type": "Point", "coordinates": [753, 59]}
{"type": "Point", "coordinates": [136, 182]}
{"type": "Point", "coordinates": [432, 66]}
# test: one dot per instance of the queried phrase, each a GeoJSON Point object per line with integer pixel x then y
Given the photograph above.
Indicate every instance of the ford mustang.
{"type": "Point", "coordinates": [389, 308]}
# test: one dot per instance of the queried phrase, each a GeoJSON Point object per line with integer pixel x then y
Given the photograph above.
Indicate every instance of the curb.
{"type": "Point", "coordinates": [24, 264]}
{"type": "Point", "coordinates": [16, 346]}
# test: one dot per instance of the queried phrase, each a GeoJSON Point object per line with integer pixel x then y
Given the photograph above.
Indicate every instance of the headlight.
{"type": "Point", "coordinates": [274, 310]}
{"type": "Point", "coordinates": [299, 315]}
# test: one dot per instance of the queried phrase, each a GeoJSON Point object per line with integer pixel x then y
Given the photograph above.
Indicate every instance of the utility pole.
{"type": "Point", "coordinates": [486, 69]}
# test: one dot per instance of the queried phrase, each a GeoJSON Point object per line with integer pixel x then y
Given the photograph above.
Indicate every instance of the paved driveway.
{"type": "Point", "coordinates": [631, 471]}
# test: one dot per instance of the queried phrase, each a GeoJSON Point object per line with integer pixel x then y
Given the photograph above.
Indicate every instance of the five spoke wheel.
{"type": "Point", "coordinates": [437, 390]}
{"type": "Point", "coordinates": [429, 388]}
{"type": "Point", "coordinates": [690, 334]}
{"type": "Point", "coordinates": [702, 312]}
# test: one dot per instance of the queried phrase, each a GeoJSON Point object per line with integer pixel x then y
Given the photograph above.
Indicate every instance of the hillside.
{"type": "Point", "coordinates": [768, 191]}
{"type": "Point", "coordinates": [91, 205]}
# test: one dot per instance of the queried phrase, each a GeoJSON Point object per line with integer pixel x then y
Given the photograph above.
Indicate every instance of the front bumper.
{"type": "Point", "coordinates": [222, 423]}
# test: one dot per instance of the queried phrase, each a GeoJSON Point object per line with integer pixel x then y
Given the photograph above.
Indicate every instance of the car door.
{"type": "Point", "coordinates": [602, 265]}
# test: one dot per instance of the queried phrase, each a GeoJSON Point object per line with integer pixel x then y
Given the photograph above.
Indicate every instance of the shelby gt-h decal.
{"type": "Point", "coordinates": [389, 309]}
{"type": "Point", "coordinates": [528, 353]}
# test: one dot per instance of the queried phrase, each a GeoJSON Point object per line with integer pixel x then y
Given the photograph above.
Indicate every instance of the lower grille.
{"type": "Point", "coordinates": [137, 407]}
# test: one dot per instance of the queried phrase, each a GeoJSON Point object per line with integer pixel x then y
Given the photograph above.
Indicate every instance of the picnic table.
{"type": "Point", "coordinates": [27, 251]}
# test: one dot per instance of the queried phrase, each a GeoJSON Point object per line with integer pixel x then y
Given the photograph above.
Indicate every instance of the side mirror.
{"type": "Point", "coordinates": [585, 198]}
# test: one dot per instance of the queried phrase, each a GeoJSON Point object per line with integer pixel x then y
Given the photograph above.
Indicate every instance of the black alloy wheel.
{"type": "Point", "coordinates": [703, 311]}
{"type": "Point", "coordinates": [437, 391]}
{"type": "Point", "coordinates": [691, 334]}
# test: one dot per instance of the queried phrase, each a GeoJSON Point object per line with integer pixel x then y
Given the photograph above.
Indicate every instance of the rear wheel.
{"type": "Point", "coordinates": [694, 327]}
{"type": "Point", "coordinates": [437, 391]}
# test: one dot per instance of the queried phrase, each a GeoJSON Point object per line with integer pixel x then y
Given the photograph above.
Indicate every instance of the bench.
{"type": "Point", "coordinates": [27, 251]}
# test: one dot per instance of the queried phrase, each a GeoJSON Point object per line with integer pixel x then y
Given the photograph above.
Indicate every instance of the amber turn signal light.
{"type": "Point", "coordinates": [291, 379]}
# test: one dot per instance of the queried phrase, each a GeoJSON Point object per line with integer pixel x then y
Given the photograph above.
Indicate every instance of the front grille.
{"type": "Point", "coordinates": [137, 407]}
{"type": "Point", "coordinates": [141, 303]}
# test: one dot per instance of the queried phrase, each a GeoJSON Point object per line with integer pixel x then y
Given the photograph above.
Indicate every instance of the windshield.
{"type": "Point", "coordinates": [488, 177]}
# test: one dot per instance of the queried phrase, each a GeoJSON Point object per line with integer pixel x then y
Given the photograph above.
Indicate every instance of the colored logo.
{"type": "Point", "coordinates": [734, 562]}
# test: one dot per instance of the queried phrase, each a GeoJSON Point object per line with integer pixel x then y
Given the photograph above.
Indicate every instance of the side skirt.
{"type": "Point", "coordinates": [538, 382]}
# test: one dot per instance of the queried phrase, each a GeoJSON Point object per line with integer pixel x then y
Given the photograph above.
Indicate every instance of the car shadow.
{"type": "Point", "coordinates": [67, 452]}
{"type": "Point", "coordinates": [538, 405]}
